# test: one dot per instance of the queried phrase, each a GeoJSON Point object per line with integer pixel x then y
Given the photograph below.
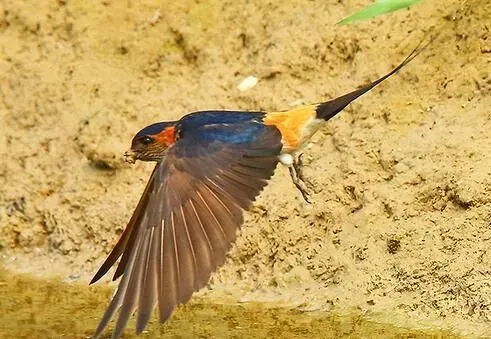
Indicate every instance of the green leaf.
{"type": "Point", "coordinates": [377, 8]}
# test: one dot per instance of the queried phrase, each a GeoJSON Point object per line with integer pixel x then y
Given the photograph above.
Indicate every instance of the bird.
{"type": "Point", "coordinates": [210, 167]}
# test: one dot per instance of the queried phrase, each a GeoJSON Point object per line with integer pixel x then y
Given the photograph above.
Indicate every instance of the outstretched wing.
{"type": "Point", "coordinates": [188, 217]}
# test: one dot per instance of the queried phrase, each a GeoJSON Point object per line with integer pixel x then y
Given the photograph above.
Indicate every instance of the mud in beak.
{"type": "Point", "coordinates": [130, 156]}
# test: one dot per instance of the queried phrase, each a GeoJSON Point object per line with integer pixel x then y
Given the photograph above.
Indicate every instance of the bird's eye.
{"type": "Point", "coordinates": [146, 140]}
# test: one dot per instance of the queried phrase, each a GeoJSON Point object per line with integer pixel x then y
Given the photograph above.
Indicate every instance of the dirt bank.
{"type": "Point", "coordinates": [402, 220]}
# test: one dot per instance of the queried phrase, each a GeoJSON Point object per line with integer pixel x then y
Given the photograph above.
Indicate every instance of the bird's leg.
{"type": "Point", "coordinates": [296, 173]}
{"type": "Point", "coordinates": [298, 166]}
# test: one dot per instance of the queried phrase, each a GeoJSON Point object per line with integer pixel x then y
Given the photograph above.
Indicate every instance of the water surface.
{"type": "Point", "coordinates": [37, 308]}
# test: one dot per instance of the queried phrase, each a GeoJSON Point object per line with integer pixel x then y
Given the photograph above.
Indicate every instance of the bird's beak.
{"type": "Point", "coordinates": [130, 156]}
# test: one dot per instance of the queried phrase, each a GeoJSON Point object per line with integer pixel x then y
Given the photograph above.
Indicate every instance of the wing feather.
{"type": "Point", "coordinates": [201, 245]}
{"type": "Point", "coordinates": [133, 290]}
{"type": "Point", "coordinates": [186, 238]}
{"type": "Point", "coordinates": [149, 282]}
{"type": "Point", "coordinates": [128, 236]}
{"type": "Point", "coordinates": [168, 278]}
{"type": "Point", "coordinates": [186, 222]}
{"type": "Point", "coordinates": [224, 218]}
{"type": "Point", "coordinates": [211, 226]}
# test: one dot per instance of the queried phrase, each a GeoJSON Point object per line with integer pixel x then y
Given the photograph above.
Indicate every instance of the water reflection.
{"type": "Point", "coordinates": [36, 308]}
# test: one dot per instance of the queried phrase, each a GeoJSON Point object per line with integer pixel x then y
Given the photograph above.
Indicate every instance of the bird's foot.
{"type": "Point", "coordinates": [306, 195]}
{"type": "Point", "coordinates": [296, 173]}
{"type": "Point", "coordinates": [298, 166]}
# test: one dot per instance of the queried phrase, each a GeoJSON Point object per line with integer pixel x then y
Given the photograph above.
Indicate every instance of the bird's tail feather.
{"type": "Point", "coordinates": [329, 109]}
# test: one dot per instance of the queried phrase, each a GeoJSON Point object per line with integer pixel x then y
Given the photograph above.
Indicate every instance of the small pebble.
{"type": "Point", "coordinates": [247, 83]}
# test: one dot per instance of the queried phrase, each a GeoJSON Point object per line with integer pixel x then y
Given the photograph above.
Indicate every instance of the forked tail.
{"type": "Point", "coordinates": [329, 109]}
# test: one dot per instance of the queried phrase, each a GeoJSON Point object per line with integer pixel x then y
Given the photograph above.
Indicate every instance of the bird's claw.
{"type": "Point", "coordinates": [298, 166]}
{"type": "Point", "coordinates": [302, 187]}
{"type": "Point", "coordinates": [296, 173]}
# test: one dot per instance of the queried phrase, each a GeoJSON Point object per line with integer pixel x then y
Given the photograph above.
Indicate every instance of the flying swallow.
{"type": "Point", "coordinates": [211, 165]}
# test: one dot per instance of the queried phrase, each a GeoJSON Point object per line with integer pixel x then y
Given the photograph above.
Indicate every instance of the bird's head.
{"type": "Point", "coordinates": [152, 142]}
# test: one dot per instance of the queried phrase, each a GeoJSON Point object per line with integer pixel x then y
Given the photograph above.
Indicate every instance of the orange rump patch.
{"type": "Point", "coordinates": [292, 124]}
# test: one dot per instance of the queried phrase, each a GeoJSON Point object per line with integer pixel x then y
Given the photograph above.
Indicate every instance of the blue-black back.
{"type": "Point", "coordinates": [197, 119]}
{"type": "Point", "coordinates": [226, 126]}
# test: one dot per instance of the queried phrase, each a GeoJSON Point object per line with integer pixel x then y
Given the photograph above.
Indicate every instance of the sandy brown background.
{"type": "Point", "coordinates": [401, 227]}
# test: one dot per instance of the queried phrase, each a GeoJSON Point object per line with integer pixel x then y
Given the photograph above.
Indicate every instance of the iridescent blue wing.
{"type": "Point", "coordinates": [188, 217]}
{"type": "Point", "coordinates": [195, 120]}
